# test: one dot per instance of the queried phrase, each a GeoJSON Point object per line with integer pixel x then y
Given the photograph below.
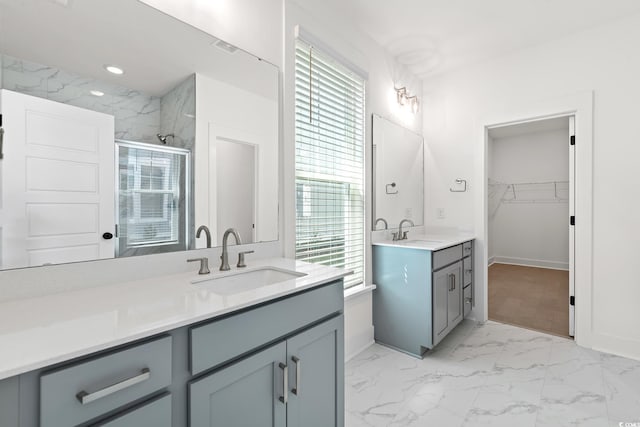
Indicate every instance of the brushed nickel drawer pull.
{"type": "Point", "coordinates": [85, 397]}
{"type": "Point", "coordinates": [285, 383]}
{"type": "Point", "coordinates": [298, 363]}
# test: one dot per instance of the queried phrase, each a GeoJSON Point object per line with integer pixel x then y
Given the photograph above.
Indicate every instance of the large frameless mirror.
{"type": "Point", "coordinates": [125, 131]}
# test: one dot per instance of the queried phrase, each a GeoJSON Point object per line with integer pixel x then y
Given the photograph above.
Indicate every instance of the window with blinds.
{"type": "Point", "coordinates": [329, 117]}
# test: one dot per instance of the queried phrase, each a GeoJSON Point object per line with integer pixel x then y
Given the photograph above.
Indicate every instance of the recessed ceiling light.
{"type": "Point", "coordinates": [113, 69]}
{"type": "Point", "coordinates": [96, 93]}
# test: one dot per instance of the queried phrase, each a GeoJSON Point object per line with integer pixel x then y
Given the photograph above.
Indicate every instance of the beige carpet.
{"type": "Point", "coordinates": [534, 298]}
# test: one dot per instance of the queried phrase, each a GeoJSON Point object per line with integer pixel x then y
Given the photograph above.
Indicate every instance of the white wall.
{"type": "Point", "coordinates": [535, 234]}
{"type": "Point", "coordinates": [383, 72]}
{"type": "Point", "coordinates": [604, 60]}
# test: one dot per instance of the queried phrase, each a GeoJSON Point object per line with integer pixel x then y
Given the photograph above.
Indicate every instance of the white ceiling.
{"type": "Point", "coordinates": [435, 36]}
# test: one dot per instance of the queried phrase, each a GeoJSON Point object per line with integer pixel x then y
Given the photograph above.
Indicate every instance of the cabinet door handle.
{"type": "Point", "coordinates": [285, 383]}
{"type": "Point", "coordinates": [450, 282]}
{"type": "Point", "coordinates": [86, 397]}
{"type": "Point", "coordinates": [296, 389]}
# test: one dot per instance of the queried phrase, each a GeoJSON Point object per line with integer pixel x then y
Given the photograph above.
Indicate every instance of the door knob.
{"type": "Point", "coordinates": [107, 236]}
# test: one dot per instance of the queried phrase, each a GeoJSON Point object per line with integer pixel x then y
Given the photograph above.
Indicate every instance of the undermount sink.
{"type": "Point", "coordinates": [422, 241]}
{"type": "Point", "coordinates": [243, 281]}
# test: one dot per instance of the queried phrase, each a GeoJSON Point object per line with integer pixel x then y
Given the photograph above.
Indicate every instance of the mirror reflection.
{"type": "Point", "coordinates": [398, 171]}
{"type": "Point", "coordinates": [125, 131]}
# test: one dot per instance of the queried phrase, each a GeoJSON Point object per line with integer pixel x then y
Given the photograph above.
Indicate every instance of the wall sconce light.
{"type": "Point", "coordinates": [405, 99]}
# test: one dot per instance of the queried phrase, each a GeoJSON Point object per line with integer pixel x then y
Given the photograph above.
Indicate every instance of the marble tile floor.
{"type": "Point", "coordinates": [493, 374]}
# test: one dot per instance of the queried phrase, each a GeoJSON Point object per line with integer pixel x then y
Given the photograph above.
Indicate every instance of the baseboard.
{"type": "Point", "coordinates": [492, 260]}
{"type": "Point", "coordinates": [358, 343]}
{"type": "Point", "coordinates": [616, 345]}
{"type": "Point", "coordinates": [526, 262]}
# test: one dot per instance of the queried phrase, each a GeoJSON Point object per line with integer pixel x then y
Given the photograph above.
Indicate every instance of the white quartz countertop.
{"type": "Point", "coordinates": [38, 332]}
{"type": "Point", "coordinates": [428, 242]}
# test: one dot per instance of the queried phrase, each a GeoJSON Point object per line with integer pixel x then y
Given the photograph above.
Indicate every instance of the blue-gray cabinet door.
{"type": "Point", "coordinates": [316, 378]}
{"type": "Point", "coordinates": [441, 288]}
{"type": "Point", "coordinates": [447, 300]}
{"type": "Point", "coordinates": [246, 393]}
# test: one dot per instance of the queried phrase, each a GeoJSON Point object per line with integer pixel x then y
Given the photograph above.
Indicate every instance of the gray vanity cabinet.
{"type": "Point", "coordinates": [247, 393]}
{"type": "Point", "coordinates": [420, 295]}
{"type": "Point", "coordinates": [297, 382]}
{"type": "Point", "coordinates": [447, 300]}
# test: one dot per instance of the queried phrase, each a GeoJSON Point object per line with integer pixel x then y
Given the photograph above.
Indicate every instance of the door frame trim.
{"type": "Point", "coordinates": [579, 105]}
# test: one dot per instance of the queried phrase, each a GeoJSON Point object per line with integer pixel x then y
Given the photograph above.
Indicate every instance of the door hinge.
{"type": "Point", "coordinates": [572, 300]}
{"type": "Point", "coordinates": [573, 140]}
{"type": "Point", "coordinates": [572, 220]}
{"type": "Point", "coordinates": [1, 137]}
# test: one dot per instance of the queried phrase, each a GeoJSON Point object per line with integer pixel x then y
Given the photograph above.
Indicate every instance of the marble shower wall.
{"type": "Point", "coordinates": [178, 114]}
{"type": "Point", "coordinates": [137, 115]}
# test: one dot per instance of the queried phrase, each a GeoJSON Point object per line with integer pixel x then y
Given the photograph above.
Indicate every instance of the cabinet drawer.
{"type": "Point", "coordinates": [219, 341]}
{"type": "Point", "coordinates": [467, 248]}
{"type": "Point", "coordinates": [446, 256]}
{"type": "Point", "coordinates": [467, 300]}
{"type": "Point", "coordinates": [156, 413]}
{"type": "Point", "coordinates": [104, 383]}
{"type": "Point", "coordinates": [467, 271]}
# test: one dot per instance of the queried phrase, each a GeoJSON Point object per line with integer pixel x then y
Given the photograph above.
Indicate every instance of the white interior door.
{"type": "Point", "coordinates": [57, 182]}
{"type": "Point", "coordinates": [572, 174]}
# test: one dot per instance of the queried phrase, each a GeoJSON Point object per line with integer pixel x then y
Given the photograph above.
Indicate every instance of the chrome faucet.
{"type": "Point", "coordinates": [384, 221]}
{"type": "Point", "coordinates": [403, 235]}
{"type": "Point", "coordinates": [207, 232]}
{"type": "Point", "coordinates": [224, 266]}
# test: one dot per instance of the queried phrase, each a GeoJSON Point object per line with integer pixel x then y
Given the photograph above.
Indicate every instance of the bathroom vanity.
{"type": "Point", "coordinates": [262, 346]}
{"type": "Point", "coordinates": [424, 290]}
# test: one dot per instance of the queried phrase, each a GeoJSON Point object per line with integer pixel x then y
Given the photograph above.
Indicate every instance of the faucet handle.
{"type": "Point", "coordinates": [241, 263]}
{"type": "Point", "coordinates": [404, 235]}
{"type": "Point", "coordinates": [394, 236]}
{"type": "Point", "coordinates": [204, 264]}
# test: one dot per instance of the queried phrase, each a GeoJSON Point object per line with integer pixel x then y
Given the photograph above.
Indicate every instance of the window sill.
{"type": "Point", "coordinates": [357, 291]}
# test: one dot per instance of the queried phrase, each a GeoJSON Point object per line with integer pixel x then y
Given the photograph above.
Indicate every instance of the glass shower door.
{"type": "Point", "coordinates": [152, 203]}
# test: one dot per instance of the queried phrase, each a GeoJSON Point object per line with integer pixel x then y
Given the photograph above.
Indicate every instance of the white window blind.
{"type": "Point", "coordinates": [149, 191]}
{"type": "Point", "coordinates": [329, 119]}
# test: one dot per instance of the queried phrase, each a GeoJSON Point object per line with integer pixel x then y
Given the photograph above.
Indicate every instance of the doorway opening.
{"type": "Point", "coordinates": [530, 205]}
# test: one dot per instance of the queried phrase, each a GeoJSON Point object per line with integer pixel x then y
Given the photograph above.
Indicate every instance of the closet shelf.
{"type": "Point", "coordinates": [530, 192]}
